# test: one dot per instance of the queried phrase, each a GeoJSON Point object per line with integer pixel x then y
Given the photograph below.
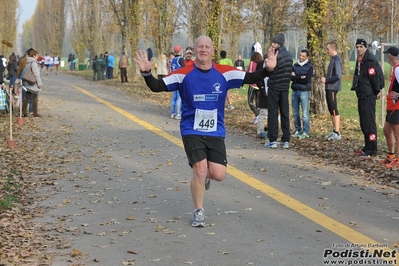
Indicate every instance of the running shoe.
{"type": "Point", "coordinates": [272, 145]}
{"type": "Point", "coordinates": [199, 218]}
{"type": "Point", "coordinates": [335, 136]}
{"type": "Point", "coordinates": [230, 107]}
{"type": "Point", "coordinates": [363, 154]}
{"type": "Point", "coordinates": [207, 183]}
{"type": "Point", "coordinates": [329, 136]}
{"type": "Point", "coordinates": [303, 136]}
{"type": "Point", "coordinates": [172, 116]}
{"type": "Point", "coordinates": [393, 164]}
{"type": "Point", "coordinates": [387, 160]}
{"type": "Point", "coordinates": [296, 134]}
{"type": "Point", "coordinates": [286, 145]}
{"type": "Point", "coordinates": [178, 116]}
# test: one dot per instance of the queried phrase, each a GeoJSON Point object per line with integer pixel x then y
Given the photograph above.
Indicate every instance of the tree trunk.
{"type": "Point", "coordinates": [133, 25]}
{"type": "Point", "coordinates": [213, 26]}
{"type": "Point", "coordinates": [315, 15]}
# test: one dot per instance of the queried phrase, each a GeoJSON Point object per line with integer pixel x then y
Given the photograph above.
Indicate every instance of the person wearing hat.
{"type": "Point", "coordinates": [332, 81]}
{"type": "Point", "coordinates": [277, 99]}
{"type": "Point", "coordinates": [175, 103]}
{"type": "Point", "coordinates": [368, 80]}
{"type": "Point", "coordinates": [188, 60]}
{"type": "Point", "coordinates": [203, 90]}
{"type": "Point", "coordinates": [391, 127]}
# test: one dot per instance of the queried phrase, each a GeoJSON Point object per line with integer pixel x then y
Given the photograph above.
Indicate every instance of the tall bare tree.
{"type": "Point", "coordinates": [133, 24]}
{"type": "Point", "coordinates": [270, 17]}
{"type": "Point", "coordinates": [195, 15]}
{"type": "Point", "coordinates": [315, 20]}
{"type": "Point", "coordinates": [341, 14]}
{"type": "Point", "coordinates": [165, 25]}
{"type": "Point", "coordinates": [77, 15]}
{"type": "Point", "coordinates": [27, 36]}
{"type": "Point", "coordinates": [49, 26]}
{"type": "Point", "coordinates": [119, 7]}
{"type": "Point", "coordinates": [213, 25]}
{"type": "Point", "coordinates": [233, 25]}
{"type": "Point", "coordinates": [92, 30]}
{"type": "Point", "coordinates": [8, 25]}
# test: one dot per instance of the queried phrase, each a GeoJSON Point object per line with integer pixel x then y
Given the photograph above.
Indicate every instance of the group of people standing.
{"type": "Point", "coordinates": [368, 81]}
{"type": "Point", "coordinates": [104, 64]}
{"type": "Point", "coordinates": [203, 89]}
{"type": "Point", "coordinates": [166, 65]}
{"type": "Point", "coordinates": [49, 63]}
{"type": "Point", "coordinates": [31, 94]}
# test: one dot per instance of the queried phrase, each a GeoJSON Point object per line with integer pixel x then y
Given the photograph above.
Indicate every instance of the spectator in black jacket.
{"type": "Point", "coordinates": [277, 98]}
{"type": "Point", "coordinates": [368, 80]}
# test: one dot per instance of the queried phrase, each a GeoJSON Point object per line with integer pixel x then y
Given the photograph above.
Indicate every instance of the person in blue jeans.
{"type": "Point", "coordinates": [301, 85]}
{"type": "Point", "coordinates": [175, 103]}
{"type": "Point", "coordinates": [110, 66]}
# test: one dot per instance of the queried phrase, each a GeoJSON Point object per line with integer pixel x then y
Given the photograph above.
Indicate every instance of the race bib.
{"type": "Point", "coordinates": [239, 67]}
{"type": "Point", "coordinates": [206, 120]}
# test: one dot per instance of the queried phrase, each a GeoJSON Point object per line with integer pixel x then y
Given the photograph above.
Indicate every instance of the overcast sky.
{"type": "Point", "coordinates": [27, 8]}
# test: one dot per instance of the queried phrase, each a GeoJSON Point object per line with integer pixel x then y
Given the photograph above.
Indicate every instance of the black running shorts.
{"type": "Point", "coordinates": [332, 104]}
{"type": "Point", "coordinates": [392, 116]}
{"type": "Point", "coordinates": [199, 148]}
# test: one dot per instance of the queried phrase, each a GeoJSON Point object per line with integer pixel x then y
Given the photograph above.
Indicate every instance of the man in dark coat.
{"type": "Point", "coordinates": [368, 80]}
{"type": "Point", "coordinates": [277, 99]}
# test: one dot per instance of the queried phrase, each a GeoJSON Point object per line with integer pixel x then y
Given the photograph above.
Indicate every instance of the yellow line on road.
{"type": "Point", "coordinates": [319, 218]}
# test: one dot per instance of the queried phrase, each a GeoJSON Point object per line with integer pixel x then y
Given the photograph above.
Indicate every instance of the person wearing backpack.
{"type": "Point", "coordinates": [21, 66]}
{"type": "Point", "coordinates": [31, 62]}
{"type": "Point", "coordinates": [12, 68]}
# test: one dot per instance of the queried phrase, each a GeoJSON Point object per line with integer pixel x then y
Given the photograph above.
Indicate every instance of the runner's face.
{"type": "Point", "coordinates": [203, 50]}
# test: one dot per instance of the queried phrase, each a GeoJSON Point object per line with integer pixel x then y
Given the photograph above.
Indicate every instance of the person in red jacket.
{"type": "Point", "coordinates": [391, 127]}
{"type": "Point", "coordinates": [40, 61]}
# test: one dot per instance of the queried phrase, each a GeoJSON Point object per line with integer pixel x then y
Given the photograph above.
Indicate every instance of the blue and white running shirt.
{"type": "Point", "coordinates": [203, 96]}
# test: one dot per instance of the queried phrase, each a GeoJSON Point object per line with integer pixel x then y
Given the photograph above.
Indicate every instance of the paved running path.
{"type": "Point", "coordinates": [126, 198]}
